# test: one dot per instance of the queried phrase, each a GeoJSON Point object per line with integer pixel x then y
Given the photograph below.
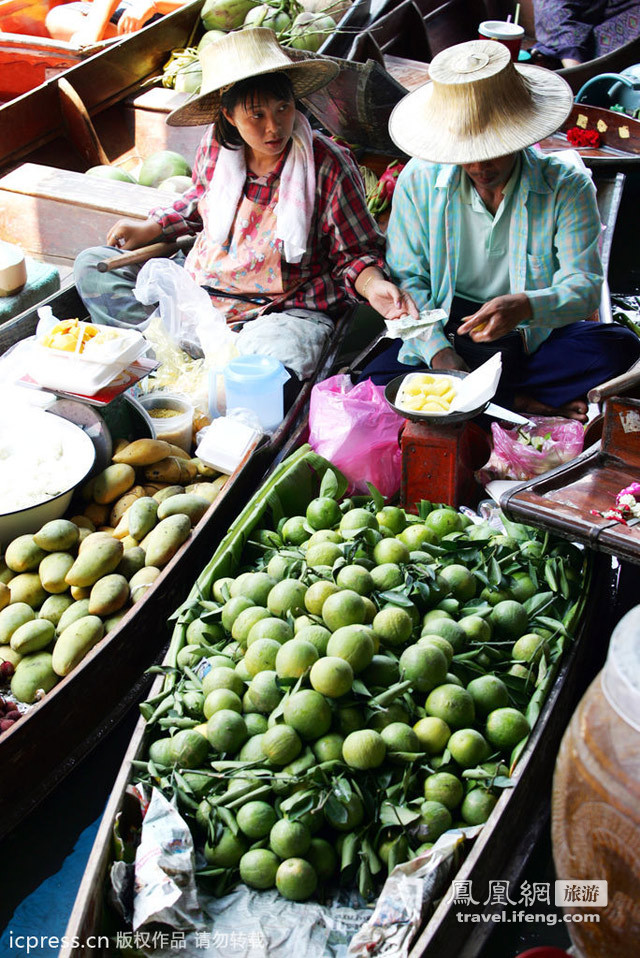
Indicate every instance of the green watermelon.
{"type": "Point", "coordinates": [160, 166]}
{"type": "Point", "coordinates": [111, 173]}
{"type": "Point", "coordinates": [176, 184]}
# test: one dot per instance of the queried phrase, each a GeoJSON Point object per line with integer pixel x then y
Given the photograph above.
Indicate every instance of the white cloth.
{"type": "Point", "coordinates": [297, 338]}
{"type": "Point", "coordinates": [297, 194]}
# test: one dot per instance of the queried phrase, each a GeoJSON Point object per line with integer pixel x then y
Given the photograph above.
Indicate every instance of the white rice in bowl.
{"type": "Point", "coordinates": [39, 459]}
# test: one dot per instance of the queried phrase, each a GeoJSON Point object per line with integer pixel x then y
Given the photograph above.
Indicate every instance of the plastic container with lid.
{"type": "Point", "coordinates": [253, 382]}
{"type": "Point", "coordinates": [596, 798]}
{"type": "Point", "coordinates": [101, 361]}
{"type": "Point", "coordinates": [172, 418]}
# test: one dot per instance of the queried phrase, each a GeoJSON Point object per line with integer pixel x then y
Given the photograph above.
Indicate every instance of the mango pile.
{"type": "Point", "coordinates": [362, 683]}
{"type": "Point", "coordinates": [65, 587]}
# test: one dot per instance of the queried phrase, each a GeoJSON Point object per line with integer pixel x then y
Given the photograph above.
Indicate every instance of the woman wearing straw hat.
{"type": "Point", "coordinates": [504, 239]}
{"type": "Point", "coordinates": [279, 211]}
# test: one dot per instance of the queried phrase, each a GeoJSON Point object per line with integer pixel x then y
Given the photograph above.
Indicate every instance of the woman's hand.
{"type": "Point", "coordinates": [385, 297]}
{"type": "Point", "coordinates": [135, 17]}
{"type": "Point", "coordinates": [132, 234]}
{"type": "Point", "coordinates": [497, 318]}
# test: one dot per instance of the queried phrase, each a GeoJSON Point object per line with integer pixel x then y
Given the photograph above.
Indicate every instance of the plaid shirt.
{"type": "Point", "coordinates": [553, 244]}
{"type": "Point", "coordinates": [343, 240]}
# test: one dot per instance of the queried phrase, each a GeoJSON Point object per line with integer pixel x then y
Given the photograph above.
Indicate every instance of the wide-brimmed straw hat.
{"type": "Point", "coordinates": [243, 54]}
{"type": "Point", "coordinates": [478, 105]}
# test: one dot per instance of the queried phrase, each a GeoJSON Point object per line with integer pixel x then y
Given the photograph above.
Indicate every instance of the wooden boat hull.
{"type": "Point", "coordinates": [34, 121]}
{"type": "Point", "coordinates": [491, 857]}
{"type": "Point", "coordinates": [56, 733]}
{"type": "Point", "coordinates": [28, 55]}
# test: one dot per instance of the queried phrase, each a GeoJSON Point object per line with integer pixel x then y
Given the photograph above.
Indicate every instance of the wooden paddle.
{"type": "Point", "coordinates": [144, 253]}
{"type": "Point", "coordinates": [616, 386]}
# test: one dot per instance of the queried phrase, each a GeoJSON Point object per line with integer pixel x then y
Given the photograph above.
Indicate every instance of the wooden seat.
{"type": "Point", "coordinates": [54, 214]}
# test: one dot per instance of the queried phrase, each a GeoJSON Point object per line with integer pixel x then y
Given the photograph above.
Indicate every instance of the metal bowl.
{"type": "Point", "coordinates": [79, 449]}
{"type": "Point", "coordinates": [449, 419]}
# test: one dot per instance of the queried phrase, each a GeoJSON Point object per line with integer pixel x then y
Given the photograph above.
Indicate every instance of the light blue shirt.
{"type": "Point", "coordinates": [483, 264]}
{"type": "Point", "coordinates": [553, 248]}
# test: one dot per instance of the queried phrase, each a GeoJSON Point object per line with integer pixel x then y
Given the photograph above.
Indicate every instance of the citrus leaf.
{"type": "Point", "coordinates": [424, 508]}
{"type": "Point", "coordinates": [376, 495]}
{"type": "Point", "coordinates": [397, 814]}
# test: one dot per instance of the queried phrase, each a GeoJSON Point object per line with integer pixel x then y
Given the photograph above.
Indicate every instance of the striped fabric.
{"type": "Point", "coordinates": [553, 244]}
{"type": "Point", "coordinates": [344, 238]}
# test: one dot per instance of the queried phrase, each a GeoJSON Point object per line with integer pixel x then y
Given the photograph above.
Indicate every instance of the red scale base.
{"type": "Point", "coordinates": [438, 463]}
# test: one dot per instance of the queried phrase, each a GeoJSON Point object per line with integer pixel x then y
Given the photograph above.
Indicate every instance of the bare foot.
{"type": "Point", "coordinates": [576, 409]}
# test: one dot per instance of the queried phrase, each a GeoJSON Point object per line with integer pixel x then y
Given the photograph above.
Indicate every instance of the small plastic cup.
{"type": "Point", "coordinates": [172, 418]}
{"type": "Point", "coordinates": [509, 34]}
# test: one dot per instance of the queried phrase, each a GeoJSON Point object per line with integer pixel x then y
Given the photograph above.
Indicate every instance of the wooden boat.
{"type": "Point", "coordinates": [28, 55]}
{"type": "Point", "coordinates": [37, 126]}
{"type": "Point", "coordinates": [503, 846]}
{"type": "Point", "coordinates": [56, 733]}
{"type": "Point", "coordinates": [403, 36]}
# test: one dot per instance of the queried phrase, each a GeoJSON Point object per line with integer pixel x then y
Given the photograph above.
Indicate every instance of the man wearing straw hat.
{"type": "Point", "coordinates": [502, 238]}
{"type": "Point", "coordinates": [278, 210]}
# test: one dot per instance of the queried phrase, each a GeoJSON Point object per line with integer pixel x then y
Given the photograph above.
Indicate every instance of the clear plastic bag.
{"type": "Point", "coordinates": [188, 334]}
{"type": "Point", "coordinates": [356, 429]}
{"type": "Point", "coordinates": [190, 319]}
{"type": "Point", "coordinates": [529, 451]}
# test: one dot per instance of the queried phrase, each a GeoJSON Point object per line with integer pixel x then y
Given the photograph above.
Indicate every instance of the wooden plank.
{"type": "Point", "coordinates": [57, 213]}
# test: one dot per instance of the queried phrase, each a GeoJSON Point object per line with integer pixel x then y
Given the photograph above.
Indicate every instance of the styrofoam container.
{"type": "Point", "coordinates": [91, 370]}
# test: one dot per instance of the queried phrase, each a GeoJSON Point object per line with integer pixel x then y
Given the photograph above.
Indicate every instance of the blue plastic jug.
{"type": "Point", "coordinates": [255, 382]}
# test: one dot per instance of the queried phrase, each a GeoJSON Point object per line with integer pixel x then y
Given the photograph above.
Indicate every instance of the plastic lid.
{"type": "Point", "coordinates": [621, 673]}
{"type": "Point", "coordinates": [253, 368]}
{"type": "Point", "coordinates": [225, 442]}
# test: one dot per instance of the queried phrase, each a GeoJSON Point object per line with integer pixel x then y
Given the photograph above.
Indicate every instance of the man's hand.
{"type": "Point", "coordinates": [448, 358]}
{"type": "Point", "coordinates": [497, 318]}
{"type": "Point", "coordinates": [132, 234]}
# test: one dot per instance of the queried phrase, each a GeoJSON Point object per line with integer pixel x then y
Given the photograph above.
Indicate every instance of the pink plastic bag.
{"type": "Point", "coordinates": [356, 429]}
{"type": "Point", "coordinates": [525, 451]}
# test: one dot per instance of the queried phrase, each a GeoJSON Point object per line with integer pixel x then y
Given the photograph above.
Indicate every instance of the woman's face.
{"type": "Point", "coordinates": [265, 125]}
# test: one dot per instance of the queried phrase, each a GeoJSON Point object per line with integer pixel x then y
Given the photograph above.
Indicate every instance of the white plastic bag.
{"type": "Point", "coordinates": [189, 317]}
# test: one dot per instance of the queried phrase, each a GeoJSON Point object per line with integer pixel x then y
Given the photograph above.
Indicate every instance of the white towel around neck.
{"type": "Point", "coordinates": [296, 199]}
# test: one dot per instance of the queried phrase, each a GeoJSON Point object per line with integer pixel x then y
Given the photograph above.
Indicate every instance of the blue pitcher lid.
{"type": "Point", "coordinates": [253, 367]}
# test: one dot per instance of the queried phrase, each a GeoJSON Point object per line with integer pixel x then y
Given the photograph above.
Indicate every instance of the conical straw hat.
{"type": "Point", "coordinates": [478, 105]}
{"type": "Point", "coordinates": [243, 54]}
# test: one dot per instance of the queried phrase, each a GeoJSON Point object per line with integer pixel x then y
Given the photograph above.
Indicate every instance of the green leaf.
{"type": "Point", "coordinates": [360, 688]}
{"type": "Point", "coordinates": [424, 508]}
{"type": "Point", "coordinates": [502, 781]}
{"type": "Point", "coordinates": [365, 880]}
{"type": "Point", "coordinates": [377, 497]}
{"type": "Point", "coordinates": [349, 850]}
{"type": "Point", "coordinates": [397, 814]}
{"type": "Point", "coordinates": [396, 598]}
{"type": "Point", "coordinates": [538, 602]}
{"type": "Point", "coordinates": [337, 810]}
{"type": "Point", "coordinates": [342, 789]}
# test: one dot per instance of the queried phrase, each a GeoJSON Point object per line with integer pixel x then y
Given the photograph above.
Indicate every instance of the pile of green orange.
{"type": "Point", "coordinates": [362, 684]}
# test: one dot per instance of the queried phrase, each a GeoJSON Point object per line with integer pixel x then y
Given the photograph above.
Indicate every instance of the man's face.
{"type": "Point", "coordinates": [490, 174]}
